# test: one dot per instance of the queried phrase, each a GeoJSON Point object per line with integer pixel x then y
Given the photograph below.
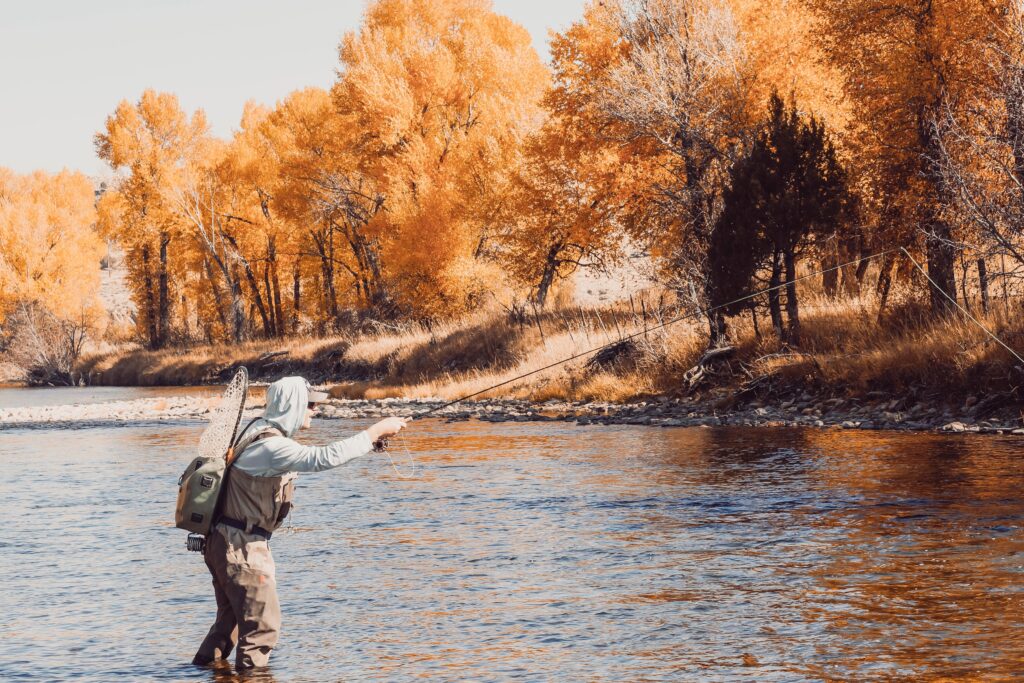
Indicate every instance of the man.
{"type": "Point", "coordinates": [256, 499]}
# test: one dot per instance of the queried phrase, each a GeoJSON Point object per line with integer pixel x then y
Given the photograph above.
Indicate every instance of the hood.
{"type": "Point", "coordinates": [286, 404]}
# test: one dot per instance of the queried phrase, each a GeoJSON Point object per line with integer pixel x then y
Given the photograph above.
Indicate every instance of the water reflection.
{"type": "Point", "coordinates": [539, 551]}
{"type": "Point", "coordinates": [929, 568]}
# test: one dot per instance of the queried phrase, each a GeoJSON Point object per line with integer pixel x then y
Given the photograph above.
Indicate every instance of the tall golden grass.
{"type": "Point", "coordinates": [846, 347]}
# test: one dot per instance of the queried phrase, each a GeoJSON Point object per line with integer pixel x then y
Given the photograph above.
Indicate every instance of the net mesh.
{"type": "Point", "coordinates": [220, 432]}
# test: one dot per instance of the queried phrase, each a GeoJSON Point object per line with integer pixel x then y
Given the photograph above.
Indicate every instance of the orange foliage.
{"type": "Point", "coordinates": [905, 65]}
{"type": "Point", "coordinates": [447, 162]}
{"type": "Point", "coordinates": [434, 97]}
{"type": "Point", "coordinates": [49, 249]}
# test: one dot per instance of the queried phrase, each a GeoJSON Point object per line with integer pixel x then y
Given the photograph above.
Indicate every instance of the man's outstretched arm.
{"type": "Point", "coordinates": [277, 455]}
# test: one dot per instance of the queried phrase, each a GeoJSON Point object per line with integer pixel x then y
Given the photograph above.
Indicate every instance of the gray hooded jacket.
{"type": "Point", "coordinates": [278, 455]}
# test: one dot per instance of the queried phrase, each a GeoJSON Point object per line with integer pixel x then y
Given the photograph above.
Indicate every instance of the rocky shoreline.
{"type": "Point", "coordinates": [804, 411]}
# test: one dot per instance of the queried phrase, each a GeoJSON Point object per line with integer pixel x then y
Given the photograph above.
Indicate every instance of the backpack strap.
{"type": "Point", "coordinates": [236, 450]}
{"type": "Point", "coordinates": [244, 440]}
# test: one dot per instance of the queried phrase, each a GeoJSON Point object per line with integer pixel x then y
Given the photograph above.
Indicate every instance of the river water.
{"type": "Point", "coordinates": [538, 551]}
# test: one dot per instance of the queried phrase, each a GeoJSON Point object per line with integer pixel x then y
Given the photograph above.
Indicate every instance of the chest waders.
{"type": "Point", "coordinates": [237, 553]}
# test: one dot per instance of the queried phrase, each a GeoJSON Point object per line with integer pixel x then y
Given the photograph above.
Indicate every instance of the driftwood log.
{"type": "Point", "coordinates": [704, 367]}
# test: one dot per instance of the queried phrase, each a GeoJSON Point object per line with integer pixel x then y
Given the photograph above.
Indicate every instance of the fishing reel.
{"type": "Point", "coordinates": [380, 445]}
{"type": "Point", "coordinates": [195, 543]}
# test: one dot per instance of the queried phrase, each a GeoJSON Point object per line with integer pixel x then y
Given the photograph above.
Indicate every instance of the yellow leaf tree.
{"type": "Point", "coordinates": [906, 64]}
{"type": "Point", "coordinates": [433, 96]}
{"type": "Point", "coordinates": [49, 267]}
{"type": "Point", "coordinates": [146, 141]}
{"type": "Point", "coordinates": [558, 216]}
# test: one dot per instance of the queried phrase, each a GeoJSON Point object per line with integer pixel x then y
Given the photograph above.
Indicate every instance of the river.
{"type": "Point", "coordinates": [538, 551]}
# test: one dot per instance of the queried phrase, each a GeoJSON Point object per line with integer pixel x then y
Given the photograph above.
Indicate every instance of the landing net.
{"type": "Point", "coordinates": [224, 418]}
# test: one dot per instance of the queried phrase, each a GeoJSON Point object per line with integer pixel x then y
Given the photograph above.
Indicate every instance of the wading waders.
{"type": "Point", "coordinates": [238, 556]}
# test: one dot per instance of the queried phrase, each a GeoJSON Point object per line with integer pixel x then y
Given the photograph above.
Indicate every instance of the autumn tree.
{"type": "Point", "coordinates": [146, 141]}
{"type": "Point", "coordinates": [906, 63]}
{"type": "Point", "coordinates": [433, 97]}
{"type": "Point", "coordinates": [982, 153]}
{"type": "Point", "coordinates": [49, 270]}
{"type": "Point", "coordinates": [558, 217]}
{"type": "Point", "coordinates": [251, 168]}
{"type": "Point", "coordinates": [180, 184]}
{"type": "Point", "coordinates": [666, 86]}
{"type": "Point", "coordinates": [674, 88]}
{"type": "Point", "coordinates": [321, 193]}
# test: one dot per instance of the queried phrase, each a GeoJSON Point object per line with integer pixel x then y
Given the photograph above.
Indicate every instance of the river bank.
{"type": "Point", "coordinates": [853, 370]}
{"type": "Point", "coordinates": [836, 414]}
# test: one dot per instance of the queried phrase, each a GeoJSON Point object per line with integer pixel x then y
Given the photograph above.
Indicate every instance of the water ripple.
{"type": "Point", "coordinates": [538, 552]}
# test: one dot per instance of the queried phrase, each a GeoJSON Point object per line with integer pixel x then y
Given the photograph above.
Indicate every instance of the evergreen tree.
{"type": "Point", "coordinates": [786, 192]}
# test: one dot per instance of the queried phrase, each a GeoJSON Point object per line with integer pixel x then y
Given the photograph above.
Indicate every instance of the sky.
{"type": "Point", "coordinates": [67, 63]}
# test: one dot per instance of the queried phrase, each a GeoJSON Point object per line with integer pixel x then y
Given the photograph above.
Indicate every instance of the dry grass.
{"type": "Point", "coordinates": [845, 349]}
{"type": "Point", "coordinates": [133, 366]}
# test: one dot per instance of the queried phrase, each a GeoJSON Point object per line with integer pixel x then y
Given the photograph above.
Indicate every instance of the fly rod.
{"type": "Point", "coordinates": [687, 316]}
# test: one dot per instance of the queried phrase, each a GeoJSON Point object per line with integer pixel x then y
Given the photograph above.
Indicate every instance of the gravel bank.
{"type": "Point", "coordinates": [798, 412]}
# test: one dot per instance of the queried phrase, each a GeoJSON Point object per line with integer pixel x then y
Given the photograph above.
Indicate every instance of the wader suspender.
{"type": "Point", "coordinates": [218, 518]}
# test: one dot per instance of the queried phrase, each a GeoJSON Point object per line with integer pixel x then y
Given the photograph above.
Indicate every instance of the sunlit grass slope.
{"type": "Point", "coordinates": [846, 348]}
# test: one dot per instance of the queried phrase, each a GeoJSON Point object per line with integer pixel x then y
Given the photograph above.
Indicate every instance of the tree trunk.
{"type": "Point", "coordinates": [332, 293]}
{"type": "Point", "coordinates": [983, 285]}
{"type": "Point", "coordinates": [272, 314]}
{"type": "Point", "coordinates": [218, 298]}
{"type": "Point", "coordinates": [774, 305]}
{"type": "Point", "coordinates": [296, 297]}
{"type": "Point", "coordinates": [149, 313]}
{"type": "Point", "coordinates": [862, 266]}
{"type": "Point", "coordinates": [275, 288]}
{"type": "Point", "coordinates": [164, 301]}
{"type": "Point", "coordinates": [379, 296]}
{"type": "Point", "coordinates": [884, 283]}
{"type": "Point", "coordinates": [830, 272]}
{"type": "Point", "coordinates": [257, 296]}
{"type": "Point", "coordinates": [325, 279]}
{"type": "Point", "coordinates": [1002, 278]}
{"type": "Point", "coordinates": [250, 277]}
{"type": "Point", "coordinates": [716, 328]}
{"type": "Point", "coordinates": [330, 303]}
{"type": "Point", "coordinates": [237, 307]}
{"type": "Point", "coordinates": [318, 285]}
{"type": "Point", "coordinates": [941, 260]}
{"type": "Point", "coordinates": [548, 275]}
{"type": "Point", "coordinates": [368, 259]}
{"type": "Point", "coordinates": [792, 309]}
{"type": "Point", "coordinates": [963, 282]}
{"type": "Point", "coordinates": [939, 248]}
{"type": "Point", "coordinates": [853, 273]}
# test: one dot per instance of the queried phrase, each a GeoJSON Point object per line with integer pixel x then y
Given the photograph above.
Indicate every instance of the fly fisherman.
{"type": "Point", "coordinates": [256, 499]}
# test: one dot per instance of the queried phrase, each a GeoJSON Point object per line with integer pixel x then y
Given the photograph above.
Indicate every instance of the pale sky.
{"type": "Point", "coordinates": [67, 63]}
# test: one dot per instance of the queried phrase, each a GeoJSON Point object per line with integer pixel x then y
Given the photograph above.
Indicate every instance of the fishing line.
{"type": "Point", "coordinates": [672, 321]}
{"type": "Point", "coordinates": [699, 312]}
{"type": "Point", "coordinates": [413, 469]}
{"type": "Point", "coordinates": [961, 308]}
{"type": "Point", "coordinates": [687, 316]}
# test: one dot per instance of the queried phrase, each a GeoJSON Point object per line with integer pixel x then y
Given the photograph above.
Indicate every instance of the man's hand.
{"type": "Point", "coordinates": [387, 427]}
